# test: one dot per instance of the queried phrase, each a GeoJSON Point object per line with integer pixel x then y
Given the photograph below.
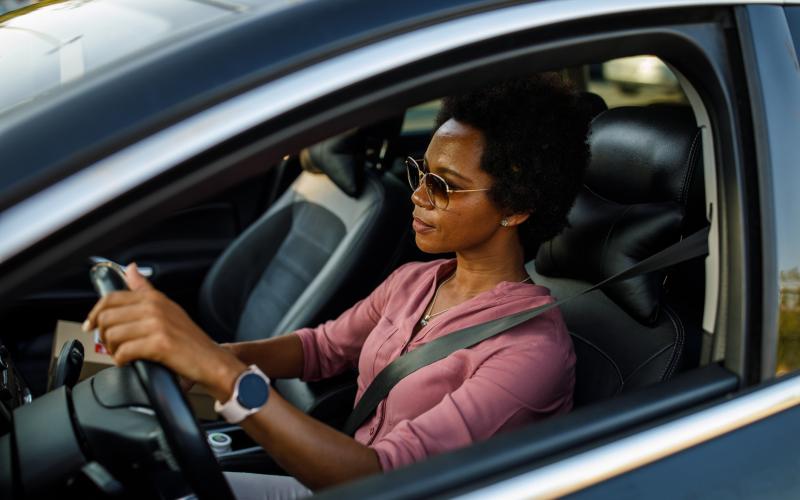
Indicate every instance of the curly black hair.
{"type": "Point", "coordinates": [535, 130]}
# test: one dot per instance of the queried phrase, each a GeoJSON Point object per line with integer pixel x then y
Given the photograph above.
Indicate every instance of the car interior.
{"type": "Point", "coordinates": [310, 235]}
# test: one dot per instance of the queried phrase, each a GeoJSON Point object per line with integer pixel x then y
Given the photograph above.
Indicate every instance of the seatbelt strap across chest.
{"type": "Point", "coordinates": [688, 248]}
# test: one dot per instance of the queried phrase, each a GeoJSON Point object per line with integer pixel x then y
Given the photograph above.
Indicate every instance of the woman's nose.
{"type": "Point", "coordinates": [420, 197]}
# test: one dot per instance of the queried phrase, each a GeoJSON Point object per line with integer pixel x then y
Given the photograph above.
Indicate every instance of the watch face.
{"type": "Point", "coordinates": [253, 391]}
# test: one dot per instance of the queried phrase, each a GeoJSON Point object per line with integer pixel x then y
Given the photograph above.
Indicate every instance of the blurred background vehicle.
{"type": "Point", "coordinates": [632, 74]}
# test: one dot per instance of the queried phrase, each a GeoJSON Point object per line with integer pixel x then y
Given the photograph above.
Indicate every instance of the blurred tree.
{"type": "Point", "coordinates": [789, 322]}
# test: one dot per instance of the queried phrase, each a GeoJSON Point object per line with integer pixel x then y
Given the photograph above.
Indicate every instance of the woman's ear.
{"type": "Point", "coordinates": [515, 219]}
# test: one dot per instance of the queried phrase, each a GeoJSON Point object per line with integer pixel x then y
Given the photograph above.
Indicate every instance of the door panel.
{"type": "Point", "coordinates": [177, 253]}
{"type": "Point", "coordinates": [757, 461]}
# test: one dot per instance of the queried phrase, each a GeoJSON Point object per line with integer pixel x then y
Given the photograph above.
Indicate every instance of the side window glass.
{"type": "Point", "coordinates": [628, 81]}
{"type": "Point", "coordinates": [420, 119]}
{"type": "Point", "coordinates": [635, 81]}
{"type": "Point", "coordinates": [785, 187]}
{"type": "Point", "coordinates": [789, 321]}
{"type": "Point", "coordinates": [793, 16]}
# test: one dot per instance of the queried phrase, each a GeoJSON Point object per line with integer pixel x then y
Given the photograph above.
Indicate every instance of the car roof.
{"type": "Point", "coordinates": [51, 44]}
{"type": "Point", "coordinates": [224, 50]}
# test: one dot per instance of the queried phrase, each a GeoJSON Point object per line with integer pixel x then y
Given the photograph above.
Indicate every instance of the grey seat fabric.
{"type": "Point", "coordinates": [323, 245]}
{"type": "Point", "coordinates": [643, 192]}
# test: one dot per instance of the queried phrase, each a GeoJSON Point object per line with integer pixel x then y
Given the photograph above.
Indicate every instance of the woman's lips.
{"type": "Point", "coordinates": [421, 226]}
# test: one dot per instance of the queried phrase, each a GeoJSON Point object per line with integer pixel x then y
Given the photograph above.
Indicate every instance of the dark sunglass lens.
{"type": "Point", "coordinates": [437, 190]}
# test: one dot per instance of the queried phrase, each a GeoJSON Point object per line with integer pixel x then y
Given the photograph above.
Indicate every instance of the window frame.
{"type": "Point", "coordinates": [219, 161]}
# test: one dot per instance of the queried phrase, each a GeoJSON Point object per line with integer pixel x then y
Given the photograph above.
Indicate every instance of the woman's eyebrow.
{"type": "Point", "coordinates": [450, 171]}
{"type": "Point", "coordinates": [446, 170]}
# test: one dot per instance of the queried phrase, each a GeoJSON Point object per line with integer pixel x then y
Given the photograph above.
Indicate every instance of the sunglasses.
{"type": "Point", "coordinates": [436, 187]}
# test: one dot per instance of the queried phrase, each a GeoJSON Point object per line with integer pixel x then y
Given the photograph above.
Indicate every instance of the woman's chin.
{"type": "Point", "coordinates": [425, 244]}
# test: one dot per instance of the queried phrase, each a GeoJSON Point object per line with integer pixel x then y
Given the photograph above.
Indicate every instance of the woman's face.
{"type": "Point", "coordinates": [470, 219]}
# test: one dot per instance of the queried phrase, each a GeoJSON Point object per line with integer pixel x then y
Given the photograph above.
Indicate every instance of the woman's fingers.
{"type": "Point", "coordinates": [120, 333]}
{"type": "Point", "coordinates": [137, 284]}
{"type": "Point", "coordinates": [127, 313]}
{"type": "Point", "coordinates": [132, 344]}
{"type": "Point", "coordinates": [145, 324]}
{"type": "Point", "coordinates": [113, 299]}
{"type": "Point", "coordinates": [136, 281]}
{"type": "Point", "coordinates": [138, 348]}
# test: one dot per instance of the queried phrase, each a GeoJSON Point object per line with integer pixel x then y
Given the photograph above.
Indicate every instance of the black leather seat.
{"type": "Point", "coordinates": [323, 245]}
{"type": "Point", "coordinates": [643, 192]}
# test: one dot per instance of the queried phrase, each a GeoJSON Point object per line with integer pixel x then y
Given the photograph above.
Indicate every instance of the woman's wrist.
{"type": "Point", "coordinates": [222, 375]}
{"type": "Point", "coordinates": [231, 347]}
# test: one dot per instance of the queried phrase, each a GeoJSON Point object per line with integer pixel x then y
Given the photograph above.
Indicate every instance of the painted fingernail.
{"type": "Point", "coordinates": [85, 326]}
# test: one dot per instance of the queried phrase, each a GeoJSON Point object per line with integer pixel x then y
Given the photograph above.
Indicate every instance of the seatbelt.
{"type": "Point", "coordinates": [688, 248]}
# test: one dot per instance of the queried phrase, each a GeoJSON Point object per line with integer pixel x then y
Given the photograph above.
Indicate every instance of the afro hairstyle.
{"type": "Point", "coordinates": [535, 131]}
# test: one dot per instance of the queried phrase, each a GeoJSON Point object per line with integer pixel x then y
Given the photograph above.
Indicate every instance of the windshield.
{"type": "Point", "coordinates": [53, 43]}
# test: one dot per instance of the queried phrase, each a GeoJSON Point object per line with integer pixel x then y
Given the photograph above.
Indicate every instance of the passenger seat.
{"type": "Point", "coordinates": [643, 192]}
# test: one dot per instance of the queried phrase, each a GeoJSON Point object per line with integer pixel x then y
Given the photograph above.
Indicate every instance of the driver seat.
{"type": "Point", "coordinates": [324, 244]}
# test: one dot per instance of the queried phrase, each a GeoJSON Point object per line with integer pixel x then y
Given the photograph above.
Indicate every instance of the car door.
{"type": "Point", "coordinates": [741, 446]}
{"type": "Point", "coordinates": [175, 254]}
{"type": "Point", "coordinates": [703, 43]}
{"type": "Point", "coordinates": [50, 50]}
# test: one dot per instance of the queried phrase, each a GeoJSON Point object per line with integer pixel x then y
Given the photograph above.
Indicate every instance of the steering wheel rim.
{"type": "Point", "coordinates": [185, 439]}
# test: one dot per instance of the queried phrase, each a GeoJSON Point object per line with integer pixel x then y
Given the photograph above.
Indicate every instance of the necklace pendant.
{"type": "Point", "coordinates": [423, 322]}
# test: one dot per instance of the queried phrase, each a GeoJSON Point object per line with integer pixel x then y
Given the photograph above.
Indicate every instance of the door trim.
{"type": "Point", "coordinates": [605, 462]}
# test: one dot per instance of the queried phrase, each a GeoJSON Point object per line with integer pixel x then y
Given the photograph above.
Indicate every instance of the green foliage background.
{"type": "Point", "coordinates": [789, 322]}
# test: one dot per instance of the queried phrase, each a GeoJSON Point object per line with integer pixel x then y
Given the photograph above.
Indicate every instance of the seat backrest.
{"type": "Point", "coordinates": [643, 191]}
{"type": "Point", "coordinates": [325, 242]}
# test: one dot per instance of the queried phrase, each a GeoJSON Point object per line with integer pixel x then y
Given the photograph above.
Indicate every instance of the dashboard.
{"type": "Point", "coordinates": [14, 392]}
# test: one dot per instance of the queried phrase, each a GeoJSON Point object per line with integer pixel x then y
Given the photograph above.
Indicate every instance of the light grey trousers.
{"type": "Point", "coordinates": [248, 486]}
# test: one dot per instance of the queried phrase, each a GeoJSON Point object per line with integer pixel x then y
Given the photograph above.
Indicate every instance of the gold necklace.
{"type": "Point", "coordinates": [427, 318]}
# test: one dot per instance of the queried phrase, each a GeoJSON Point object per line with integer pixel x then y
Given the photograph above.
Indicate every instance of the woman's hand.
{"type": "Point", "coordinates": [144, 324]}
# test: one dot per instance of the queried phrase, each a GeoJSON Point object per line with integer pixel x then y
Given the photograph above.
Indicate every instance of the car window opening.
{"type": "Point", "coordinates": [635, 201]}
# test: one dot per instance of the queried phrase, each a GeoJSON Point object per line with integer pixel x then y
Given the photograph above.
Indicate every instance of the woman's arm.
{"type": "Point", "coordinates": [278, 357]}
{"type": "Point", "coordinates": [145, 324]}
{"type": "Point", "coordinates": [314, 453]}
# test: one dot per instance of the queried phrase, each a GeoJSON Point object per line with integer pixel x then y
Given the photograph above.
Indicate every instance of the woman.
{"type": "Point", "coordinates": [499, 176]}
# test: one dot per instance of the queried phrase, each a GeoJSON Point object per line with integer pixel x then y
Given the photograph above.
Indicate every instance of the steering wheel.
{"type": "Point", "coordinates": [185, 439]}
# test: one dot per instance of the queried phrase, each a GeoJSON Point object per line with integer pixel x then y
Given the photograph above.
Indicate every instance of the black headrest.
{"type": "Point", "coordinates": [641, 155]}
{"type": "Point", "coordinates": [343, 157]}
{"type": "Point", "coordinates": [643, 188]}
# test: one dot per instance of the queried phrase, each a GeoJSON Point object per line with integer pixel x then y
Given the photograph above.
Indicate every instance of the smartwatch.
{"type": "Point", "coordinates": [250, 393]}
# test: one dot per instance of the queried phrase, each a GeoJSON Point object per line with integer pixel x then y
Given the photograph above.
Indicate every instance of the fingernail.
{"type": "Point", "coordinates": [85, 326]}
